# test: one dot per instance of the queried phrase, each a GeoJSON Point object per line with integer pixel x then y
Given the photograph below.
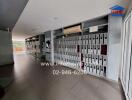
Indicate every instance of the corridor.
{"type": "Point", "coordinates": [35, 82]}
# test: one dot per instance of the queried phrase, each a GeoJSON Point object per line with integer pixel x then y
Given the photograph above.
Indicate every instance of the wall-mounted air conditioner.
{"type": "Point", "coordinates": [74, 29]}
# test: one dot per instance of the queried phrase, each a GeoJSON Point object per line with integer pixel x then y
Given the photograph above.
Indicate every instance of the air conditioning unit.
{"type": "Point", "coordinates": [74, 29]}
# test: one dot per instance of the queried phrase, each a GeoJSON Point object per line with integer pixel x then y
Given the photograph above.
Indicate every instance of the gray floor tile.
{"type": "Point", "coordinates": [35, 82]}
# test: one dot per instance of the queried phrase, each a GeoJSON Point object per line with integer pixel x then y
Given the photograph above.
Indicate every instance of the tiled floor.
{"type": "Point", "coordinates": [35, 82]}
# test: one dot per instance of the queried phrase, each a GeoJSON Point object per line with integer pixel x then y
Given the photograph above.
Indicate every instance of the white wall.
{"type": "Point", "coordinates": [114, 47]}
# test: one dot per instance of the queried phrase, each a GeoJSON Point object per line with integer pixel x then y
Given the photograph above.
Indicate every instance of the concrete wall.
{"type": "Point", "coordinates": [6, 51]}
{"type": "Point", "coordinates": [114, 47]}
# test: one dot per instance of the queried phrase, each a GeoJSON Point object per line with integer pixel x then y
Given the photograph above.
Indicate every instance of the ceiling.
{"type": "Point", "coordinates": [10, 11]}
{"type": "Point", "coordinates": [42, 15]}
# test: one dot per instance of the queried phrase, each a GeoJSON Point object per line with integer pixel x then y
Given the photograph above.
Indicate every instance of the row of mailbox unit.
{"type": "Point", "coordinates": [98, 38]}
{"type": "Point", "coordinates": [72, 43]}
{"type": "Point", "coordinates": [96, 70]}
{"type": "Point", "coordinates": [85, 49]}
{"type": "Point", "coordinates": [33, 45]}
{"type": "Point", "coordinates": [90, 68]}
{"type": "Point", "coordinates": [48, 56]}
{"type": "Point", "coordinates": [75, 58]}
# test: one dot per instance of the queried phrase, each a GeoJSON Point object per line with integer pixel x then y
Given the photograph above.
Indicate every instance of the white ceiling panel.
{"type": "Point", "coordinates": [42, 15]}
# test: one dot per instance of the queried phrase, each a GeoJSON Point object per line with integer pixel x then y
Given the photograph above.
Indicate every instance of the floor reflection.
{"type": "Point", "coordinates": [35, 82]}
